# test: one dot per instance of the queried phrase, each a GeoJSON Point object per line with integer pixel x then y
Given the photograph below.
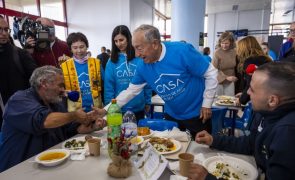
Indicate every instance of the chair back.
{"type": "Point", "coordinates": [217, 119]}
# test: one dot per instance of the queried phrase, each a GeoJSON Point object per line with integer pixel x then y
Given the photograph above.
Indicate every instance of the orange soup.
{"type": "Point", "coordinates": [52, 156]}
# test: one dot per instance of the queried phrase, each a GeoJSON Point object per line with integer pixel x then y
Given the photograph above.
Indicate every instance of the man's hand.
{"type": "Point", "coordinates": [204, 137]}
{"type": "Point", "coordinates": [205, 114]}
{"type": "Point", "coordinates": [96, 113]}
{"type": "Point", "coordinates": [197, 172]}
{"type": "Point", "coordinates": [96, 125]}
{"type": "Point", "coordinates": [81, 116]}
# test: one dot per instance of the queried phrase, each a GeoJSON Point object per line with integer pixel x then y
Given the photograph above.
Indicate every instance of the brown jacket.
{"type": "Point", "coordinates": [225, 62]}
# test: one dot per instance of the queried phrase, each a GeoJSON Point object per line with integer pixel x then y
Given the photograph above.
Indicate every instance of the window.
{"type": "Point", "coordinates": [52, 9]}
{"type": "Point", "coordinates": [28, 6]}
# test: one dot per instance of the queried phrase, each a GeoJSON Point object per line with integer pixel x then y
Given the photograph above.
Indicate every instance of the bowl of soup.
{"type": "Point", "coordinates": [52, 157]}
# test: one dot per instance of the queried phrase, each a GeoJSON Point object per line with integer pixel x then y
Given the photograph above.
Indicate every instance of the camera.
{"type": "Point", "coordinates": [26, 27]}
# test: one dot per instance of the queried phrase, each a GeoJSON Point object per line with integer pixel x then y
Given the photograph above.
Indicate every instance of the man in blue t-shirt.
{"type": "Point", "coordinates": [178, 74]}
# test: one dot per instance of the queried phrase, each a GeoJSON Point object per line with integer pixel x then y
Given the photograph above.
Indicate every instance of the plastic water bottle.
{"type": "Point", "coordinates": [114, 120]}
{"type": "Point", "coordinates": [130, 126]}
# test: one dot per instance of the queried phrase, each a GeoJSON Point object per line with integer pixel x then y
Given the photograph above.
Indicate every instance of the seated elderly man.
{"type": "Point", "coordinates": [35, 119]}
{"type": "Point", "coordinates": [273, 142]}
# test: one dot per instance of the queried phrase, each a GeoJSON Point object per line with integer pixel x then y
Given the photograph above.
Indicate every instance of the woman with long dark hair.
{"type": "Point", "coordinates": [119, 71]}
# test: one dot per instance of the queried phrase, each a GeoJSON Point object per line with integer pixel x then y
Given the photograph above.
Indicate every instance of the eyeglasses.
{"type": "Point", "coordinates": [7, 30]}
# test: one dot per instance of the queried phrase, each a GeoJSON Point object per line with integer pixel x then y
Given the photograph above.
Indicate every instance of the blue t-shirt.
{"type": "Point", "coordinates": [117, 78]}
{"type": "Point", "coordinates": [178, 79]}
{"type": "Point", "coordinates": [84, 84]}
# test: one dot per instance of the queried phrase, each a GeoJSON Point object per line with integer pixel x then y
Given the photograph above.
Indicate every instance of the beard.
{"type": "Point", "coordinates": [54, 99]}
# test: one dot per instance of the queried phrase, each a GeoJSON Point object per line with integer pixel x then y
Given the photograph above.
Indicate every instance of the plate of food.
{"type": "Point", "coordinates": [224, 97]}
{"type": "Point", "coordinates": [165, 145]}
{"type": "Point", "coordinates": [52, 157]}
{"type": "Point", "coordinates": [77, 144]}
{"type": "Point", "coordinates": [226, 167]}
{"type": "Point", "coordinates": [144, 132]}
{"type": "Point", "coordinates": [226, 102]}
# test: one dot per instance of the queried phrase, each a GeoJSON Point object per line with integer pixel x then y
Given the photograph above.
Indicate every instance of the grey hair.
{"type": "Point", "coordinates": [150, 32]}
{"type": "Point", "coordinates": [47, 73]}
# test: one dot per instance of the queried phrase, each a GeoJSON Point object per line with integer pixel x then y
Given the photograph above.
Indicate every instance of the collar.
{"type": "Point", "coordinates": [52, 43]}
{"type": "Point", "coordinates": [162, 53]}
{"type": "Point", "coordinates": [273, 116]}
{"type": "Point", "coordinates": [81, 61]}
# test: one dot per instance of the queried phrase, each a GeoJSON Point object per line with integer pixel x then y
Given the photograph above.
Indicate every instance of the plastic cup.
{"type": "Point", "coordinates": [94, 146]}
{"type": "Point", "coordinates": [185, 160]}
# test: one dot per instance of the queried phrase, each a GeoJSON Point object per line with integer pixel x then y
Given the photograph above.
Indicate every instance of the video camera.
{"type": "Point", "coordinates": [25, 27]}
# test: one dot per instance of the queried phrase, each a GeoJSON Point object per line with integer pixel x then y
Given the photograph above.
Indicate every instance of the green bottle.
{"type": "Point", "coordinates": [114, 120]}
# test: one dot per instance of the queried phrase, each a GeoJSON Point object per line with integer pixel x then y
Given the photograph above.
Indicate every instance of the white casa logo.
{"type": "Point", "coordinates": [170, 85]}
{"type": "Point", "coordinates": [126, 72]}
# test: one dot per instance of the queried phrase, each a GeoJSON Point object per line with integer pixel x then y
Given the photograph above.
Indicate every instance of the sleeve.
{"type": "Point", "coordinates": [282, 154]}
{"type": "Point", "coordinates": [240, 145]}
{"type": "Point", "coordinates": [147, 94]}
{"type": "Point", "coordinates": [210, 86]}
{"type": "Point", "coordinates": [245, 98]}
{"type": "Point", "coordinates": [126, 95]}
{"type": "Point", "coordinates": [27, 62]}
{"type": "Point", "coordinates": [26, 115]}
{"type": "Point", "coordinates": [109, 83]}
{"type": "Point", "coordinates": [210, 177]}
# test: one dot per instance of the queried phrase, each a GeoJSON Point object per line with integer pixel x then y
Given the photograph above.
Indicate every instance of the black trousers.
{"type": "Point", "coordinates": [194, 125]}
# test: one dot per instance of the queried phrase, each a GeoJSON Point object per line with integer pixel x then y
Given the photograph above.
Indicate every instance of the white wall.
{"type": "Point", "coordinates": [251, 20]}
{"type": "Point", "coordinates": [140, 13]}
{"type": "Point", "coordinates": [97, 19]}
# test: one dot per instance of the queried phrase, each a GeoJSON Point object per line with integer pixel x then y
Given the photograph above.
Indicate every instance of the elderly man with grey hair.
{"type": "Point", "coordinates": [179, 74]}
{"type": "Point", "coordinates": [35, 119]}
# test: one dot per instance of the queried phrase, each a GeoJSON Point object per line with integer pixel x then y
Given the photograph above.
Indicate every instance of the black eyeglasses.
{"type": "Point", "coordinates": [7, 30]}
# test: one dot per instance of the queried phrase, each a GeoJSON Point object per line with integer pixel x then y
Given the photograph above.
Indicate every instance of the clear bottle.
{"type": "Point", "coordinates": [130, 125]}
{"type": "Point", "coordinates": [114, 120]}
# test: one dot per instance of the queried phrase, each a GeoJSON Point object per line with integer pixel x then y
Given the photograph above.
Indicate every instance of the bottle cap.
{"type": "Point", "coordinates": [114, 101]}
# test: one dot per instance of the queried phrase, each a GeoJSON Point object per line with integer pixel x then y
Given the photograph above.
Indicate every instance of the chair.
{"type": "Point", "coordinates": [242, 123]}
{"type": "Point", "coordinates": [157, 124]}
{"type": "Point", "coordinates": [217, 119]}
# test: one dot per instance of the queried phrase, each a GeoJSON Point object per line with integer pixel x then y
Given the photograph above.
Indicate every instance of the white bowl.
{"type": "Point", "coordinates": [52, 162]}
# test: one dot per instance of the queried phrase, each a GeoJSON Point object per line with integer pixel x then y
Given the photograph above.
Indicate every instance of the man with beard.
{"type": "Point", "coordinates": [35, 119]}
{"type": "Point", "coordinates": [16, 67]}
{"type": "Point", "coordinates": [272, 138]}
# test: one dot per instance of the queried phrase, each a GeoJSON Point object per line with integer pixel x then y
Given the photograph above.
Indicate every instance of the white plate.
{"type": "Point", "coordinates": [176, 143]}
{"type": "Point", "coordinates": [219, 102]}
{"type": "Point", "coordinates": [224, 97]}
{"type": "Point", "coordinates": [245, 170]}
{"type": "Point", "coordinates": [149, 135]}
{"type": "Point", "coordinates": [80, 149]}
{"type": "Point", "coordinates": [53, 162]}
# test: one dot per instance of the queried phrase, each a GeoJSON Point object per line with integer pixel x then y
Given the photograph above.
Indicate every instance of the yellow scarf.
{"type": "Point", "coordinates": [72, 82]}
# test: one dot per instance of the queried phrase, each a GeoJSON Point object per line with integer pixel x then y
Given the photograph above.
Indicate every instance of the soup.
{"type": "Point", "coordinates": [52, 156]}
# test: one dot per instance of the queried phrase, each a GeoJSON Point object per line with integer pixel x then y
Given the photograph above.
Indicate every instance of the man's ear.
{"type": "Point", "coordinates": [273, 101]}
{"type": "Point", "coordinates": [156, 44]}
{"type": "Point", "coordinates": [43, 84]}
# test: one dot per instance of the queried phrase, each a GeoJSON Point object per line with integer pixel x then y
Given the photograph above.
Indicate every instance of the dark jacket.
{"type": "Point", "coordinates": [23, 129]}
{"type": "Point", "coordinates": [103, 57]}
{"type": "Point", "coordinates": [258, 60]}
{"type": "Point", "coordinates": [16, 67]}
{"type": "Point", "coordinates": [273, 147]}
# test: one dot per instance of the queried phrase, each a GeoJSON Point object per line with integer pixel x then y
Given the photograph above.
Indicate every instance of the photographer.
{"type": "Point", "coordinates": [58, 50]}
{"type": "Point", "coordinates": [16, 67]}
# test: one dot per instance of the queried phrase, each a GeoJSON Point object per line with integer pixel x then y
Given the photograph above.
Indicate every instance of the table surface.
{"type": "Point", "coordinates": [92, 168]}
